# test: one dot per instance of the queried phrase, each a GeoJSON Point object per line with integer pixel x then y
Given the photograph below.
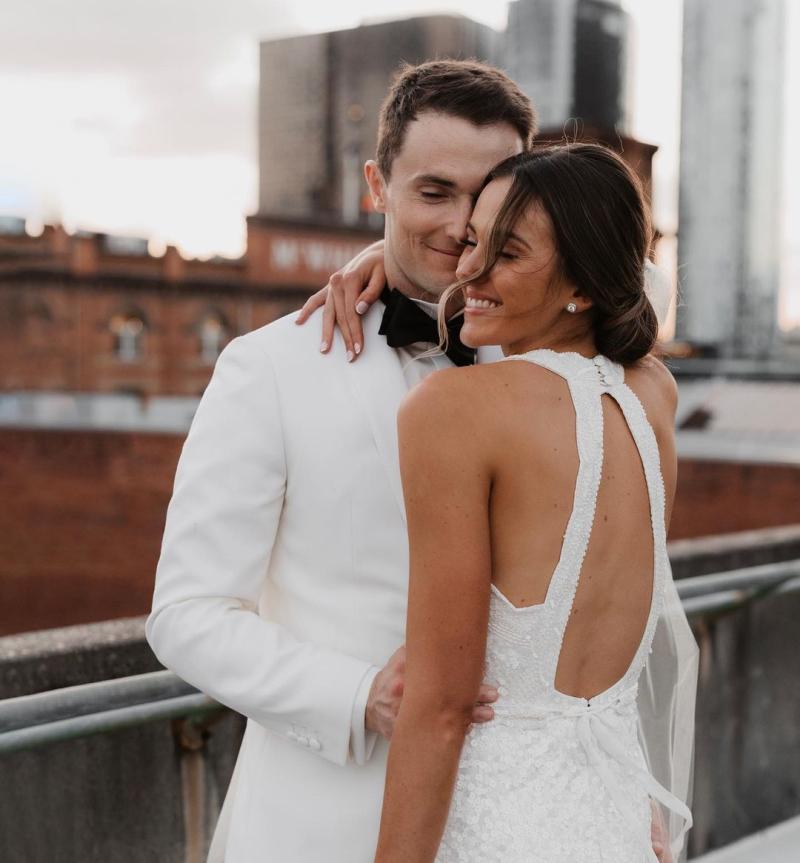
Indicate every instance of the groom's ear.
{"type": "Point", "coordinates": [377, 187]}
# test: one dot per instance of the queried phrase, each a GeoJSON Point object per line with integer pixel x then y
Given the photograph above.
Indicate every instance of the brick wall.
{"type": "Point", "coordinates": [83, 513]}
{"type": "Point", "coordinates": [722, 497]}
{"type": "Point", "coordinates": [80, 524]}
{"type": "Point", "coordinates": [63, 297]}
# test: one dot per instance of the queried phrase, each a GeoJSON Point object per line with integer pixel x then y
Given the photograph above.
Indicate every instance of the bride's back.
{"type": "Point", "coordinates": [535, 453]}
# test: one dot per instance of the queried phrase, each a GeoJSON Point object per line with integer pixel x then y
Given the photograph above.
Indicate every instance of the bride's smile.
{"type": "Point", "coordinates": [515, 294]}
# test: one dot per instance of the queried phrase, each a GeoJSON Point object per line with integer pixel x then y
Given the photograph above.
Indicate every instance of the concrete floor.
{"type": "Point", "coordinates": [778, 844]}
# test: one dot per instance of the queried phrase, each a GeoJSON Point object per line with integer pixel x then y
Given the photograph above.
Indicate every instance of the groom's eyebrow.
{"type": "Point", "coordinates": [433, 180]}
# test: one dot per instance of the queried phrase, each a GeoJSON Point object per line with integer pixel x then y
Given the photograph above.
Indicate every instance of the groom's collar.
{"type": "Point", "coordinates": [430, 309]}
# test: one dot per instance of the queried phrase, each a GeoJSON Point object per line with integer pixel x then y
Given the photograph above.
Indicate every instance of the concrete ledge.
{"type": "Point", "coordinates": [54, 658]}
{"type": "Point", "coordinates": [778, 844]}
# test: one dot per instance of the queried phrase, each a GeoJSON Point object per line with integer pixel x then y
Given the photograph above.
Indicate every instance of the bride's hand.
{"type": "Point", "coordinates": [347, 296]}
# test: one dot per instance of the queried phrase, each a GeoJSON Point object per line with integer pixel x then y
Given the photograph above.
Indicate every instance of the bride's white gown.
{"type": "Point", "coordinates": [556, 778]}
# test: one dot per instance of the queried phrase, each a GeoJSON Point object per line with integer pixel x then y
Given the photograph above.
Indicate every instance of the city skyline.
{"type": "Point", "coordinates": [145, 125]}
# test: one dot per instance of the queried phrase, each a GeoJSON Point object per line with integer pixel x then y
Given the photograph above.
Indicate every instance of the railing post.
{"type": "Point", "coordinates": [191, 735]}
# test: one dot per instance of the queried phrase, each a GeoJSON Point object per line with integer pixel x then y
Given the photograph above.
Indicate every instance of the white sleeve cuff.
{"type": "Point", "coordinates": [362, 742]}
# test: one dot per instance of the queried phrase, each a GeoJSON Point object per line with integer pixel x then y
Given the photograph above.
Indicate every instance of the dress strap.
{"type": "Point", "coordinates": [585, 379]}
{"type": "Point", "coordinates": [647, 446]}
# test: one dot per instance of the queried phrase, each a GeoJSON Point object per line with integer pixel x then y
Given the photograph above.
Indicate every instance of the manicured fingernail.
{"type": "Point", "coordinates": [350, 356]}
{"type": "Point", "coordinates": [323, 347]}
{"type": "Point", "coordinates": [357, 348]}
{"type": "Point", "coordinates": [362, 307]}
{"type": "Point", "coordinates": [492, 693]}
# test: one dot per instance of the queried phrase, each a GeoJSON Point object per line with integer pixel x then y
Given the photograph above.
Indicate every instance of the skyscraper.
{"type": "Point", "coordinates": [571, 58]}
{"type": "Point", "coordinates": [730, 175]}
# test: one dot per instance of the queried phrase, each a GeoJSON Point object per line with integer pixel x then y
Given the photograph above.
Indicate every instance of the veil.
{"type": "Point", "coordinates": [666, 701]}
{"type": "Point", "coordinates": [668, 684]}
{"type": "Point", "coordinates": [658, 287]}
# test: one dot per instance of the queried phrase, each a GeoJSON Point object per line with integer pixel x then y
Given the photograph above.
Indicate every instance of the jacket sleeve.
{"type": "Point", "coordinates": [220, 530]}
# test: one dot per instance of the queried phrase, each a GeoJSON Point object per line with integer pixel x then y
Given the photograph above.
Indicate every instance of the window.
{"type": "Point", "coordinates": [39, 325]}
{"type": "Point", "coordinates": [213, 335]}
{"type": "Point", "coordinates": [128, 329]}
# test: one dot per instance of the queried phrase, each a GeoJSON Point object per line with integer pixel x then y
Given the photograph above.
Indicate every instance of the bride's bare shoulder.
{"type": "Point", "coordinates": [457, 399]}
{"type": "Point", "coordinates": [653, 382]}
{"type": "Point", "coordinates": [474, 398]}
{"type": "Point", "coordinates": [444, 391]}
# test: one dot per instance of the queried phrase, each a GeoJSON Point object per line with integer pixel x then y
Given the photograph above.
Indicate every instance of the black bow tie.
{"type": "Point", "coordinates": [405, 323]}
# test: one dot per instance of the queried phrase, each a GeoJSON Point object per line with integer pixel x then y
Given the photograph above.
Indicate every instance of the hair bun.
{"type": "Point", "coordinates": [628, 333]}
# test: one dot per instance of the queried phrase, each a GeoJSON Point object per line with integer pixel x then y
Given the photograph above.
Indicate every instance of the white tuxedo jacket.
{"type": "Point", "coordinates": [283, 579]}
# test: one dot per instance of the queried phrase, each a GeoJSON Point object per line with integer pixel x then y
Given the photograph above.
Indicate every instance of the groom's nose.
{"type": "Point", "coordinates": [459, 218]}
{"type": "Point", "coordinates": [468, 264]}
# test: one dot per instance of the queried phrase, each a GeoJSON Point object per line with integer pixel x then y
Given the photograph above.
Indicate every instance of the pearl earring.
{"type": "Point", "coordinates": [572, 308]}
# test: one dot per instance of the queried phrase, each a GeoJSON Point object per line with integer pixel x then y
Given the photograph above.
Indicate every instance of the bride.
{"type": "Point", "coordinates": [538, 491]}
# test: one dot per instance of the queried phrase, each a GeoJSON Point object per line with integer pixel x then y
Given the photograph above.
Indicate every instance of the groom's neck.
{"type": "Point", "coordinates": [398, 281]}
{"type": "Point", "coordinates": [413, 292]}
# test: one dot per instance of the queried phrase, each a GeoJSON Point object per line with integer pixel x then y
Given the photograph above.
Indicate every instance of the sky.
{"type": "Point", "coordinates": [140, 118]}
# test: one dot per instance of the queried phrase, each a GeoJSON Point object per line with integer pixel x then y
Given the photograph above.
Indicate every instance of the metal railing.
{"type": "Point", "coordinates": [94, 708]}
{"type": "Point", "coordinates": [726, 591]}
{"type": "Point", "coordinates": [109, 705]}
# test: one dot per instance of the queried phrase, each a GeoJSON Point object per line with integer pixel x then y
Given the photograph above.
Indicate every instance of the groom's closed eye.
{"type": "Point", "coordinates": [433, 188]}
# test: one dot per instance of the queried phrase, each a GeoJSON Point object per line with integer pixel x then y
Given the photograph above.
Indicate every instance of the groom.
{"type": "Point", "coordinates": [281, 587]}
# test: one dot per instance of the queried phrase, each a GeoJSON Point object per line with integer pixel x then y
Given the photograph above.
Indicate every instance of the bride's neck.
{"type": "Point", "coordinates": [583, 345]}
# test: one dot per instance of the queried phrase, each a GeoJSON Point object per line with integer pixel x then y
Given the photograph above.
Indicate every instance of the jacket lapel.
{"type": "Point", "coordinates": [379, 385]}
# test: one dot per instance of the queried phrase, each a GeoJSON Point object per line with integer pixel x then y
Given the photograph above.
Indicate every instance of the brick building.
{"type": "Point", "coordinates": [95, 313]}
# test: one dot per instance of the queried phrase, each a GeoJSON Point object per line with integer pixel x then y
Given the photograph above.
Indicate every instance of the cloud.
{"type": "Point", "coordinates": [190, 68]}
{"type": "Point", "coordinates": [135, 117]}
{"type": "Point", "coordinates": [150, 36]}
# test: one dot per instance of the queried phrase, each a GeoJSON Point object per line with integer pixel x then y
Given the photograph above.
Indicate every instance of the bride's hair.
{"type": "Point", "coordinates": [602, 235]}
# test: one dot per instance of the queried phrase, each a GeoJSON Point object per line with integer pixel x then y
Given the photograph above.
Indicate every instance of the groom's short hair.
{"type": "Point", "coordinates": [467, 89]}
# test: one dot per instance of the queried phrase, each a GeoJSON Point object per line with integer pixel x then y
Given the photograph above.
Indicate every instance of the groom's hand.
{"type": "Point", "coordinates": [387, 693]}
{"type": "Point", "coordinates": [659, 835]}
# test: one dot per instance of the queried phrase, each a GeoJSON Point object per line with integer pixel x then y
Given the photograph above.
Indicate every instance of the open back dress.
{"type": "Point", "coordinates": [556, 778]}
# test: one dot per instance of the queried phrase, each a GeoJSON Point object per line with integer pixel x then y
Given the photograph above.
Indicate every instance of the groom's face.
{"type": "Point", "coordinates": [429, 196]}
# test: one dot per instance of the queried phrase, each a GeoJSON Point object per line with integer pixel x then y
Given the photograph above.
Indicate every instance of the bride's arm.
{"type": "Point", "coordinates": [447, 485]}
